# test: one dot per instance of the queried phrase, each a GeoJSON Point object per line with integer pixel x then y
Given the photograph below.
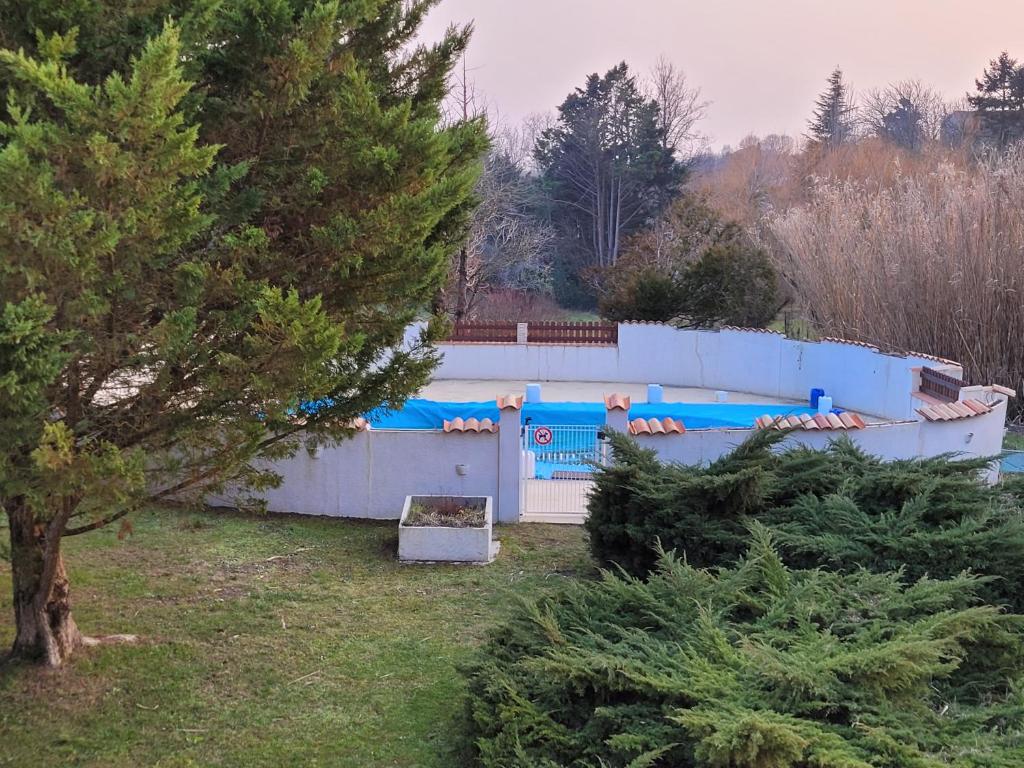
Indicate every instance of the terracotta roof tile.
{"type": "Point", "coordinates": [977, 406]}
{"type": "Point", "coordinates": [964, 409]}
{"type": "Point", "coordinates": [510, 401]}
{"type": "Point", "coordinates": [470, 425]}
{"type": "Point", "coordinates": [812, 423]}
{"type": "Point", "coordinates": [616, 401]}
{"type": "Point", "coordinates": [1004, 390]}
{"type": "Point", "coordinates": [936, 358]}
{"type": "Point", "coordinates": [851, 342]}
{"type": "Point", "coordinates": [652, 426]}
{"type": "Point", "coordinates": [751, 330]}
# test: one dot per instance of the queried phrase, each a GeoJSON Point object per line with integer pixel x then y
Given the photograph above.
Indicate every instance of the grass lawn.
{"type": "Point", "coordinates": [266, 641]}
{"type": "Point", "coordinates": [1013, 441]}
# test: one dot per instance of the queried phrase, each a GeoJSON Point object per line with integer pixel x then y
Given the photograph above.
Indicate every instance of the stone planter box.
{"type": "Point", "coordinates": [439, 544]}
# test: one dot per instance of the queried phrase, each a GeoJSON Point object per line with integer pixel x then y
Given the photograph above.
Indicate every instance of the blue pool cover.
{"type": "Point", "coordinates": [1013, 461]}
{"type": "Point", "coordinates": [431, 414]}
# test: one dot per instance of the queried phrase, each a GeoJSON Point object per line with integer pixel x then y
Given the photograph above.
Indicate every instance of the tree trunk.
{"type": "Point", "coordinates": [45, 631]}
{"type": "Point", "coordinates": [462, 285]}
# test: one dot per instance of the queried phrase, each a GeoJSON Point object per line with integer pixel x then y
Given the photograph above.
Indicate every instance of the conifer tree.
{"type": "Point", "coordinates": [1001, 86]}
{"type": "Point", "coordinates": [834, 120]}
{"type": "Point", "coordinates": [607, 167]}
{"type": "Point", "coordinates": [204, 227]}
{"type": "Point", "coordinates": [755, 665]}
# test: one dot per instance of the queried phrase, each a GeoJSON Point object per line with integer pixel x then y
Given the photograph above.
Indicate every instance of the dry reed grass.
{"type": "Point", "coordinates": [931, 261]}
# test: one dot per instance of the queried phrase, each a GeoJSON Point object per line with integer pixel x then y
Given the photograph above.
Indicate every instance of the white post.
{"type": "Point", "coordinates": [509, 457]}
{"type": "Point", "coordinates": [521, 333]}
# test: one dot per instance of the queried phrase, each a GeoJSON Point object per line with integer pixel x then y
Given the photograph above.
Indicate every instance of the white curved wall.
{"type": "Point", "coordinates": [370, 474]}
{"type": "Point", "coordinates": [981, 436]}
{"type": "Point", "coordinates": [858, 378]}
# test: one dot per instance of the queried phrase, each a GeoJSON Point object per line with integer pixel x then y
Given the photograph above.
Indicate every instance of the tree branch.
{"type": "Point", "coordinates": [97, 523]}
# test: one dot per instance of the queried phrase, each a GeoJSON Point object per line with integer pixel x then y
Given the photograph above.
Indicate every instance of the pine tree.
{"type": "Point", "coordinates": [1001, 86]}
{"type": "Point", "coordinates": [606, 165]}
{"type": "Point", "coordinates": [834, 120]}
{"type": "Point", "coordinates": [185, 268]}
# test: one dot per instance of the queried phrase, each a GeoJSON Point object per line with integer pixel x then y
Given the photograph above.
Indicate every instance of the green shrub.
{"type": "Point", "coordinates": [838, 508]}
{"type": "Point", "coordinates": [647, 295]}
{"type": "Point", "coordinates": [731, 284]}
{"type": "Point", "coordinates": [727, 284]}
{"type": "Point", "coordinates": [754, 666]}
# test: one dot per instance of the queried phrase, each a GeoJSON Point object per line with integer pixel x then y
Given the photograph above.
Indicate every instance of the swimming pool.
{"type": "Point", "coordinates": [431, 414]}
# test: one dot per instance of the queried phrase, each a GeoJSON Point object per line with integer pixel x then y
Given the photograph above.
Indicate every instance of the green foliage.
{"type": "Point", "coordinates": [834, 120]}
{"type": "Point", "coordinates": [753, 666]}
{"type": "Point", "coordinates": [183, 266]}
{"type": "Point", "coordinates": [702, 511]}
{"type": "Point", "coordinates": [693, 268]}
{"type": "Point", "coordinates": [1001, 86]}
{"type": "Point", "coordinates": [607, 169]}
{"type": "Point", "coordinates": [646, 294]}
{"type": "Point", "coordinates": [838, 508]}
{"type": "Point", "coordinates": [731, 285]}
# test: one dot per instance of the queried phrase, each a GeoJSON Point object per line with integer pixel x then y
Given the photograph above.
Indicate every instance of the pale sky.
{"type": "Point", "coordinates": [760, 62]}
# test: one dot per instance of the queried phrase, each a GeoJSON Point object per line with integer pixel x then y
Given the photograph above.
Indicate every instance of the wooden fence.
{"type": "Point", "coordinates": [940, 385]}
{"type": "Point", "coordinates": [573, 333]}
{"type": "Point", "coordinates": [536, 333]}
{"type": "Point", "coordinates": [484, 332]}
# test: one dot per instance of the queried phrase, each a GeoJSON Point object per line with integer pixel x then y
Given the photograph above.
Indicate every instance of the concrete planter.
{"type": "Point", "coordinates": [434, 543]}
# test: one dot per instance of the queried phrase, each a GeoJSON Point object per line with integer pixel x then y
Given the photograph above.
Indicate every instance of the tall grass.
{"type": "Point", "coordinates": [931, 261]}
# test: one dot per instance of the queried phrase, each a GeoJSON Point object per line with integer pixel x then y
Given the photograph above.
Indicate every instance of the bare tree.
{"type": "Point", "coordinates": [681, 107]}
{"type": "Point", "coordinates": [462, 102]}
{"type": "Point", "coordinates": [508, 246]}
{"type": "Point", "coordinates": [517, 142]}
{"type": "Point", "coordinates": [907, 112]}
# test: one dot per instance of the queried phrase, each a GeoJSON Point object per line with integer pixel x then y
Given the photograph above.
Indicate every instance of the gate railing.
{"type": "Point", "coordinates": [557, 470]}
{"type": "Point", "coordinates": [564, 448]}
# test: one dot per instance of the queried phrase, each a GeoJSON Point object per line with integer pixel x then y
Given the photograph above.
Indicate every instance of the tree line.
{"type": "Point", "coordinates": [605, 184]}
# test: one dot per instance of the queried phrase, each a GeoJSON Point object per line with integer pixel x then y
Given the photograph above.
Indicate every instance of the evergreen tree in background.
{"type": "Point", "coordinates": [607, 167]}
{"type": "Point", "coordinates": [184, 266]}
{"type": "Point", "coordinates": [1001, 86]}
{"type": "Point", "coordinates": [904, 125]}
{"type": "Point", "coordinates": [834, 120]}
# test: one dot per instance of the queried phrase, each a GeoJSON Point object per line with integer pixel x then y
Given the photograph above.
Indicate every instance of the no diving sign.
{"type": "Point", "coordinates": [542, 436]}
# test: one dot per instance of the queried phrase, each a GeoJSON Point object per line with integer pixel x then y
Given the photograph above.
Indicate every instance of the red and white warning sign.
{"type": "Point", "coordinates": [542, 436]}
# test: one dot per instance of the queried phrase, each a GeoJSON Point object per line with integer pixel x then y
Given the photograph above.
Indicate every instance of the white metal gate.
{"type": "Point", "coordinates": [557, 468]}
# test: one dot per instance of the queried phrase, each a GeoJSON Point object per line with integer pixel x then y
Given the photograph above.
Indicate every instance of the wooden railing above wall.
{"type": "Point", "coordinates": [500, 332]}
{"type": "Point", "coordinates": [494, 332]}
{"type": "Point", "coordinates": [572, 333]}
{"type": "Point", "coordinates": [940, 385]}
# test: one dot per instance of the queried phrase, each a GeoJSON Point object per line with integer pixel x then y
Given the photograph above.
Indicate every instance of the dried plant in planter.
{"type": "Point", "coordinates": [446, 512]}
